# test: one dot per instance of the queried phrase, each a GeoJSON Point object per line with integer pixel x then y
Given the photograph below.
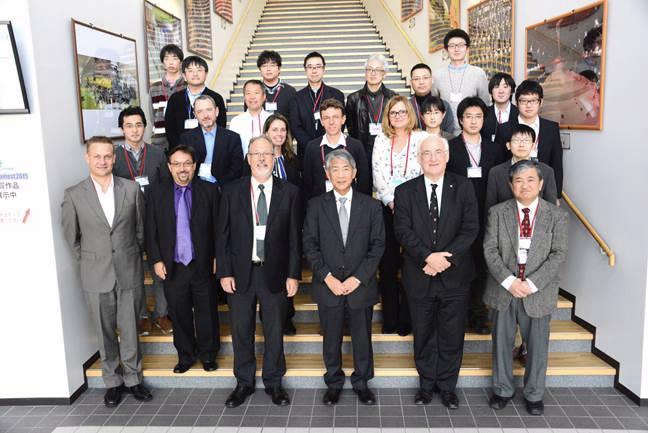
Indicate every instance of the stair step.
{"type": "Point", "coordinates": [339, 56]}
{"type": "Point", "coordinates": [292, 13]}
{"type": "Point", "coordinates": [303, 48]}
{"type": "Point", "coordinates": [316, 5]}
{"type": "Point", "coordinates": [307, 29]}
{"type": "Point", "coordinates": [287, 37]}
{"type": "Point", "coordinates": [338, 19]}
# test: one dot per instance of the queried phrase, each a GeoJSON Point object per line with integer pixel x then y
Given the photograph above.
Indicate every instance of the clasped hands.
{"type": "Point", "coordinates": [340, 288]}
{"type": "Point", "coordinates": [436, 263]}
{"type": "Point", "coordinates": [520, 289]}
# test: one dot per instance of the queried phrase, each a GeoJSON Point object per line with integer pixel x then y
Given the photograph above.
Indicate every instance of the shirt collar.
{"type": "Point", "coordinates": [97, 185]}
{"type": "Point", "coordinates": [341, 141]}
{"type": "Point", "coordinates": [179, 187]}
{"type": "Point", "coordinates": [533, 207]}
{"type": "Point", "coordinates": [267, 184]}
{"type": "Point", "coordinates": [211, 133]}
{"type": "Point", "coordinates": [507, 110]}
{"type": "Point", "coordinates": [457, 68]}
{"type": "Point", "coordinates": [428, 181]}
{"type": "Point", "coordinates": [196, 94]}
{"type": "Point", "coordinates": [169, 83]}
{"type": "Point", "coordinates": [348, 195]}
{"type": "Point", "coordinates": [534, 125]}
{"type": "Point", "coordinates": [133, 151]}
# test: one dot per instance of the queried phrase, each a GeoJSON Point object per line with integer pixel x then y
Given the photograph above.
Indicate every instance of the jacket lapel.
{"type": "Point", "coordinates": [510, 220]}
{"type": "Point", "coordinates": [93, 201]}
{"type": "Point", "coordinates": [275, 200]}
{"type": "Point", "coordinates": [120, 195]}
{"type": "Point", "coordinates": [542, 223]}
{"type": "Point", "coordinates": [246, 204]}
{"type": "Point", "coordinates": [356, 215]}
{"type": "Point", "coordinates": [422, 201]}
{"type": "Point", "coordinates": [330, 209]}
{"type": "Point", "coordinates": [447, 197]}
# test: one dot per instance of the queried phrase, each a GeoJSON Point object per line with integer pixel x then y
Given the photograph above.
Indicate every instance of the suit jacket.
{"type": "Point", "coordinates": [498, 188]}
{"type": "Point", "coordinates": [227, 157]}
{"type": "Point", "coordinates": [106, 255]}
{"type": "Point", "coordinates": [358, 115]}
{"type": "Point", "coordinates": [548, 251]}
{"type": "Point", "coordinates": [282, 239]}
{"type": "Point", "coordinates": [491, 126]}
{"type": "Point", "coordinates": [314, 176]}
{"type": "Point", "coordinates": [161, 225]}
{"type": "Point", "coordinates": [457, 230]}
{"type": "Point", "coordinates": [155, 165]}
{"type": "Point", "coordinates": [325, 251]}
{"type": "Point", "coordinates": [282, 100]}
{"type": "Point", "coordinates": [177, 111]}
{"type": "Point", "coordinates": [302, 122]}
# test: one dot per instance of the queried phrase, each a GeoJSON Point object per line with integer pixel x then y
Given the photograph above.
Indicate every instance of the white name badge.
{"type": "Point", "coordinates": [259, 233]}
{"type": "Point", "coordinates": [329, 186]}
{"type": "Point", "coordinates": [375, 128]}
{"type": "Point", "coordinates": [493, 138]}
{"type": "Point", "coordinates": [456, 97]}
{"type": "Point", "coordinates": [158, 105]}
{"type": "Point", "coordinates": [271, 106]}
{"type": "Point", "coordinates": [191, 123]}
{"type": "Point", "coordinates": [316, 115]}
{"type": "Point", "coordinates": [525, 243]}
{"type": "Point", "coordinates": [522, 256]}
{"type": "Point", "coordinates": [159, 131]}
{"type": "Point", "coordinates": [204, 170]}
{"type": "Point", "coordinates": [474, 172]}
{"type": "Point", "coordinates": [142, 180]}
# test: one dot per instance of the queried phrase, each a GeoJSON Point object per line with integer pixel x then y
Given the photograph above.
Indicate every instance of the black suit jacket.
{"type": "Point", "coordinates": [177, 111]}
{"type": "Point", "coordinates": [491, 126]}
{"type": "Point", "coordinates": [302, 122]}
{"type": "Point", "coordinates": [161, 224]}
{"type": "Point", "coordinates": [457, 230]}
{"type": "Point", "coordinates": [227, 157]}
{"type": "Point", "coordinates": [314, 176]}
{"type": "Point", "coordinates": [282, 100]}
{"type": "Point", "coordinates": [282, 240]}
{"type": "Point", "coordinates": [325, 251]}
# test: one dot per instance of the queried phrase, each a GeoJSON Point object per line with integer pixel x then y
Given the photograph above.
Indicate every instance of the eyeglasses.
{"type": "Point", "coordinates": [269, 65]}
{"type": "Point", "coordinates": [314, 67]}
{"type": "Point", "coordinates": [417, 79]}
{"type": "Point", "coordinates": [521, 141]}
{"type": "Point", "coordinates": [260, 154]}
{"type": "Point", "coordinates": [372, 71]}
{"type": "Point", "coordinates": [532, 102]}
{"type": "Point", "coordinates": [133, 125]}
{"type": "Point", "coordinates": [185, 164]}
{"type": "Point", "coordinates": [473, 116]}
{"type": "Point", "coordinates": [457, 46]}
{"type": "Point", "coordinates": [194, 70]}
{"type": "Point", "coordinates": [399, 113]}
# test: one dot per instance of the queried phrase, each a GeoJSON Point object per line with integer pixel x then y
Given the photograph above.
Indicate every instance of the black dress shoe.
{"type": "Point", "coordinates": [389, 330]}
{"type": "Point", "coordinates": [289, 328]}
{"type": "Point", "coordinates": [498, 402]}
{"type": "Point", "coordinates": [113, 396]}
{"type": "Point", "coordinates": [449, 399]}
{"type": "Point", "coordinates": [332, 396]}
{"type": "Point", "coordinates": [422, 397]}
{"type": "Point", "coordinates": [404, 331]}
{"type": "Point", "coordinates": [139, 392]}
{"type": "Point", "coordinates": [535, 408]}
{"type": "Point", "coordinates": [365, 396]}
{"type": "Point", "coordinates": [210, 365]}
{"type": "Point", "coordinates": [181, 367]}
{"type": "Point", "coordinates": [278, 395]}
{"type": "Point", "coordinates": [238, 396]}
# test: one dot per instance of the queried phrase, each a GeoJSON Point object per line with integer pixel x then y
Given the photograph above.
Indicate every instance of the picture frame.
{"type": "Point", "coordinates": [223, 8]}
{"type": "Point", "coordinates": [161, 28]}
{"type": "Point", "coordinates": [199, 30]}
{"type": "Point", "coordinates": [566, 55]}
{"type": "Point", "coordinates": [13, 94]}
{"type": "Point", "coordinates": [409, 8]}
{"type": "Point", "coordinates": [443, 16]}
{"type": "Point", "coordinates": [491, 28]}
{"type": "Point", "coordinates": [107, 78]}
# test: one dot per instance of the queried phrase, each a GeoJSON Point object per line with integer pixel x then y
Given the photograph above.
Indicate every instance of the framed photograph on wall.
{"type": "Point", "coordinates": [491, 29]}
{"type": "Point", "coordinates": [566, 54]}
{"type": "Point", "coordinates": [162, 28]}
{"type": "Point", "coordinates": [199, 31]}
{"type": "Point", "coordinates": [409, 8]}
{"type": "Point", "coordinates": [13, 95]}
{"type": "Point", "coordinates": [443, 16]}
{"type": "Point", "coordinates": [223, 8]}
{"type": "Point", "coordinates": [107, 79]}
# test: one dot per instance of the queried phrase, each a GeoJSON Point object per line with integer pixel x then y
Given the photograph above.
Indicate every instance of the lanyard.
{"type": "Point", "coordinates": [319, 97]}
{"type": "Point", "coordinates": [279, 169]}
{"type": "Point", "coordinates": [375, 116]}
{"type": "Point", "coordinates": [189, 107]}
{"type": "Point", "coordinates": [391, 156]}
{"type": "Point", "coordinates": [419, 117]}
{"type": "Point", "coordinates": [256, 214]}
{"type": "Point", "coordinates": [517, 214]}
{"type": "Point", "coordinates": [276, 95]}
{"type": "Point", "coordinates": [322, 152]}
{"type": "Point", "coordinates": [128, 163]}
{"type": "Point", "coordinates": [259, 119]}
{"type": "Point", "coordinates": [471, 156]}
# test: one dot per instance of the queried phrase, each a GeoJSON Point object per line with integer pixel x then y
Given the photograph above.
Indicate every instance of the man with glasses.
{"type": "Point", "coordinates": [161, 90]}
{"type": "Point", "coordinates": [278, 93]}
{"type": "Point", "coordinates": [460, 79]}
{"type": "Point", "coordinates": [305, 121]}
{"type": "Point", "coordinates": [421, 81]}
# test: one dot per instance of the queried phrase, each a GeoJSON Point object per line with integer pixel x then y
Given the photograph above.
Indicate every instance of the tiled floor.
{"type": "Point", "coordinates": [565, 408]}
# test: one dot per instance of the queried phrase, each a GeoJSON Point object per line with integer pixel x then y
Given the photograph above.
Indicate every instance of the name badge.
{"type": "Point", "coordinates": [259, 232]}
{"type": "Point", "coordinates": [191, 123]}
{"type": "Point", "coordinates": [158, 105]}
{"type": "Point", "coordinates": [159, 131]}
{"type": "Point", "coordinates": [493, 138]}
{"type": "Point", "coordinates": [456, 97]}
{"type": "Point", "coordinates": [329, 186]}
{"type": "Point", "coordinates": [204, 170]}
{"type": "Point", "coordinates": [474, 172]}
{"type": "Point", "coordinates": [522, 256]}
{"type": "Point", "coordinates": [316, 115]}
{"type": "Point", "coordinates": [375, 128]}
{"type": "Point", "coordinates": [271, 106]}
{"type": "Point", "coordinates": [142, 181]}
{"type": "Point", "coordinates": [525, 243]}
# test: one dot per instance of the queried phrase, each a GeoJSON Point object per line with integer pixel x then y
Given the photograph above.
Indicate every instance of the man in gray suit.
{"type": "Point", "coordinates": [524, 245]}
{"type": "Point", "coordinates": [103, 221]}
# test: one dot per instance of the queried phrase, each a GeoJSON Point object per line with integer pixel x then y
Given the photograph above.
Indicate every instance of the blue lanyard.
{"type": "Point", "coordinates": [189, 107]}
{"type": "Point", "coordinates": [279, 169]}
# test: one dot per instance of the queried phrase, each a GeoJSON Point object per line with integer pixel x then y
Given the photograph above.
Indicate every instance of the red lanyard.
{"type": "Point", "coordinates": [128, 163]}
{"type": "Point", "coordinates": [499, 116]}
{"type": "Point", "coordinates": [375, 116]}
{"type": "Point", "coordinates": [316, 103]}
{"type": "Point", "coordinates": [276, 95]}
{"type": "Point", "coordinates": [322, 152]}
{"type": "Point", "coordinates": [256, 214]}
{"type": "Point", "coordinates": [259, 119]}
{"type": "Point", "coordinates": [391, 156]}
{"type": "Point", "coordinates": [472, 157]}
{"type": "Point", "coordinates": [517, 214]}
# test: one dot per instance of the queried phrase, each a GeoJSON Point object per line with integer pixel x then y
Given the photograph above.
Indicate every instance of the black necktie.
{"type": "Point", "coordinates": [434, 211]}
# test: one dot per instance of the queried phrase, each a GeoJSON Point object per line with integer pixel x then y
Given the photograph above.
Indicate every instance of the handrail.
{"type": "Point", "coordinates": [606, 249]}
{"type": "Point", "coordinates": [398, 25]}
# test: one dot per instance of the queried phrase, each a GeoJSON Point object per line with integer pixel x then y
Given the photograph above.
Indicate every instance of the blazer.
{"type": "Point", "coordinates": [106, 255]}
{"type": "Point", "coordinates": [302, 122]}
{"type": "Point", "coordinates": [491, 126]}
{"type": "Point", "coordinates": [161, 225]}
{"type": "Point", "coordinates": [547, 253]}
{"type": "Point", "coordinates": [360, 257]}
{"type": "Point", "coordinates": [282, 239]}
{"type": "Point", "coordinates": [358, 117]}
{"type": "Point", "coordinates": [498, 187]}
{"type": "Point", "coordinates": [314, 176]}
{"type": "Point", "coordinates": [286, 94]}
{"type": "Point", "coordinates": [292, 171]}
{"type": "Point", "coordinates": [227, 157]}
{"type": "Point", "coordinates": [155, 165]}
{"type": "Point", "coordinates": [177, 111]}
{"type": "Point", "coordinates": [457, 230]}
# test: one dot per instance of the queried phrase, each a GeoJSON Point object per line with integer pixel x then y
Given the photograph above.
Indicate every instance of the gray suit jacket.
{"type": "Point", "coordinates": [498, 188]}
{"type": "Point", "coordinates": [548, 251]}
{"type": "Point", "coordinates": [106, 255]}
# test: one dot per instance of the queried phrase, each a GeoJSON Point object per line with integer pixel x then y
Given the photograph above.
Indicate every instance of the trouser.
{"type": "Point", "coordinates": [477, 311]}
{"type": "Point", "coordinates": [242, 306]}
{"type": "Point", "coordinates": [194, 312]}
{"type": "Point", "coordinates": [535, 333]}
{"type": "Point", "coordinates": [332, 323]}
{"type": "Point", "coordinates": [438, 325]}
{"type": "Point", "coordinates": [157, 289]}
{"type": "Point", "coordinates": [121, 360]}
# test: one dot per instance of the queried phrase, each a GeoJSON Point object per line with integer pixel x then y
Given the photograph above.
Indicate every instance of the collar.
{"type": "Point", "coordinates": [429, 181]}
{"type": "Point", "coordinates": [507, 110]}
{"type": "Point", "coordinates": [177, 187]}
{"type": "Point", "coordinates": [348, 195]}
{"type": "Point", "coordinates": [533, 206]}
{"type": "Point", "coordinates": [420, 99]}
{"type": "Point", "coordinates": [97, 185]}
{"type": "Point", "coordinates": [378, 92]}
{"type": "Point", "coordinates": [533, 124]}
{"type": "Point", "coordinates": [133, 151]}
{"type": "Point", "coordinates": [457, 68]}
{"type": "Point", "coordinates": [267, 184]}
{"type": "Point", "coordinates": [196, 94]}
{"type": "Point", "coordinates": [325, 141]}
{"type": "Point", "coordinates": [471, 144]}
{"type": "Point", "coordinates": [271, 89]}
{"type": "Point", "coordinates": [212, 132]}
{"type": "Point", "coordinates": [169, 83]}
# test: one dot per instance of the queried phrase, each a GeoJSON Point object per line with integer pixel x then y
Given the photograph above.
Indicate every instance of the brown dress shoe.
{"type": "Point", "coordinates": [165, 325]}
{"type": "Point", "coordinates": [144, 326]}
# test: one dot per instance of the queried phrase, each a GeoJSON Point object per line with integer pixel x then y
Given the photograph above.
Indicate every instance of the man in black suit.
{"type": "Point", "coordinates": [501, 88]}
{"type": "Point", "coordinates": [344, 240]}
{"type": "Point", "coordinates": [436, 222]}
{"type": "Point", "coordinates": [219, 154]}
{"type": "Point", "coordinates": [259, 258]}
{"type": "Point", "coordinates": [180, 242]}
{"type": "Point", "coordinates": [179, 115]}
{"type": "Point", "coordinates": [305, 121]}
{"type": "Point", "coordinates": [278, 92]}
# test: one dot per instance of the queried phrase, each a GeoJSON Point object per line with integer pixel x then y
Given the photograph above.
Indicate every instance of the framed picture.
{"type": "Point", "coordinates": [162, 29]}
{"type": "Point", "coordinates": [13, 96]}
{"type": "Point", "coordinates": [409, 8]}
{"type": "Point", "coordinates": [566, 54]}
{"type": "Point", "coordinates": [223, 8]}
{"type": "Point", "coordinates": [491, 30]}
{"type": "Point", "coordinates": [199, 32]}
{"type": "Point", "coordinates": [107, 79]}
{"type": "Point", "coordinates": [443, 16]}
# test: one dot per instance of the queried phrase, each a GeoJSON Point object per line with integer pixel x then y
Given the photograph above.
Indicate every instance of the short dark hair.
{"type": "Point", "coordinates": [466, 103]}
{"type": "Point", "coordinates": [314, 54]}
{"type": "Point", "coordinates": [268, 56]}
{"type": "Point", "coordinates": [332, 103]}
{"type": "Point", "coordinates": [497, 79]}
{"type": "Point", "coordinates": [131, 111]}
{"type": "Point", "coordinates": [171, 49]}
{"type": "Point", "coordinates": [420, 66]}
{"type": "Point", "coordinates": [520, 129]}
{"type": "Point", "coordinates": [194, 60]}
{"type": "Point", "coordinates": [253, 82]}
{"type": "Point", "coordinates": [97, 139]}
{"type": "Point", "coordinates": [529, 87]}
{"type": "Point", "coordinates": [184, 149]}
{"type": "Point", "coordinates": [524, 164]}
{"type": "Point", "coordinates": [431, 102]}
{"type": "Point", "coordinates": [456, 33]}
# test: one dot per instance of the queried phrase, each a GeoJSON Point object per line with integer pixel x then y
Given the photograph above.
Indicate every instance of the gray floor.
{"type": "Point", "coordinates": [566, 408]}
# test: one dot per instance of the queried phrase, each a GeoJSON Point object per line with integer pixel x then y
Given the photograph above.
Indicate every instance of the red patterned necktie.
{"type": "Point", "coordinates": [525, 232]}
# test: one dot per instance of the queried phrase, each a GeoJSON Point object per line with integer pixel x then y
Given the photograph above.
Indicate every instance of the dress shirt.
{"type": "Point", "coordinates": [136, 153]}
{"type": "Point", "coordinates": [248, 126]}
{"type": "Point", "coordinates": [533, 207]}
{"type": "Point", "coordinates": [439, 191]}
{"type": "Point", "coordinates": [267, 190]}
{"type": "Point", "coordinates": [503, 116]}
{"type": "Point", "coordinates": [106, 199]}
{"type": "Point", "coordinates": [347, 204]}
{"type": "Point", "coordinates": [535, 125]}
{"type": "Point", "coordinates": [341, 142]}
{"type": "Point", "coordinates": [177, 190]}
{"type": "Point", "coordinates": [193, 96]}
{"type": "Point", "coordinates": [210, 141]}
{"type": "Point", "coordinates": [474, 151]}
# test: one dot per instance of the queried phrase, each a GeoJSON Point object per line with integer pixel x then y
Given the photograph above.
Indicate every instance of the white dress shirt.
{"type": "Point", "coordinates": [341, 141]}
{"type": "Point", "coordinates": [439, 191]}
{"type": "Point", "coordinates": [502, 116]}
{"type": "Point", "coordinates": [267, 190]}
{"type": "Point", "coordinates": [106, 199]}
{"type": "Point", "coordinates": [347, 204]}
{"type": "Point", "coordinates": [248, 127]}
{"type": "Point", "coordinates": [533, 207]}
{"type": "Point", "coordinates": [474, 152]}
{"type": "Point", "coordinates": [535, 125]}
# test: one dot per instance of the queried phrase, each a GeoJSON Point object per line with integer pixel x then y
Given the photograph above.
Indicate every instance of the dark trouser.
{"type": "Point", "coordinates": [194, 312]}
{"type": "Point", "coordinates": [477, 311]}
{"type": "Point", "coordinates": [242, 306]}
{"type": "Point", "coordinates": [395, 309]}
{"type": "Point", "coordinates": [332, 321]}
{"type": "Point", "coordinates": [438, 325]}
